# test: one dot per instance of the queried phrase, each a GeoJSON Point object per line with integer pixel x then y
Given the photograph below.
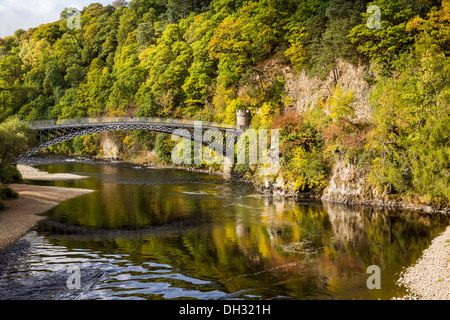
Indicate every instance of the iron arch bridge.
{"type": "Point", "coordinates": [52, 132]}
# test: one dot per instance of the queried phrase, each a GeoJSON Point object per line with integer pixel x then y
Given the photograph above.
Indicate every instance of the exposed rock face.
{"type": "Point", "coordinates": [345, 185]}
{"type": "Point", "coordinates": [278, 187]}
{"type": "Point", "coordinates": [348, 183]}
{"type": "Point", "coordinates": [110, 149]}
{"type": "Point", "coordinates": [304, 90]}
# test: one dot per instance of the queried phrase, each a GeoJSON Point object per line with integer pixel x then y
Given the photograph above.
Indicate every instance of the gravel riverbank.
{"type": "Point", "coordinates": [21, 214]}
{"type": "Point", "coordinates": [31, 173]}
{"type": "Point", "coordinates": [429, 278]}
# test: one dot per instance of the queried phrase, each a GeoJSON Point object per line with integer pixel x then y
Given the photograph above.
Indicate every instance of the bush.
{"type": "Point", "coordinates": [7, 193]}
{"type": "Point", "coordinates": [163, 147]}
{"type": "Point", "coordinates": [10, 174]}
{"type": "Point", "coordinates": [301, 147]}
{"type": "Point", "coordinates": [242, 169]}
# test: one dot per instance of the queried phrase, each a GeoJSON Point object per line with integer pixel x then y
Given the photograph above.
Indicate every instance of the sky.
{"type": "Point", "coordinates": [24, 14]}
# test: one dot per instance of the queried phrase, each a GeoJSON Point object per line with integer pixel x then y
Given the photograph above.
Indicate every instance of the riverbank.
{"type": "Point", "coordinates": [429, 278]}
{"type": "Point", "coordinates": [21, 214]}
{"type": "Point", "coordinates": [336, 222]}
{"type": "Point", "coordinates": [278, 188]}
{"type": "Point", "coordinates": [31, 173]}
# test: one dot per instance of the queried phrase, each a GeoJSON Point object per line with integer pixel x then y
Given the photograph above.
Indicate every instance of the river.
{"type": "Point", "coordinates": [170, 234]}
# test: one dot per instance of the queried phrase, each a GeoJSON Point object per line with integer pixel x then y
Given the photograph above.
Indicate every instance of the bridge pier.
{"type": "Point", "coordinates": [227, 166]}
{"type": "Point", "coordinates": [52, 132]}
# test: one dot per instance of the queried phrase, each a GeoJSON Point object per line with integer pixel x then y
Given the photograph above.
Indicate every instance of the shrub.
{"type": "Point", "coordinates": [301, 147]}
{"type": "Point", "coordinates": [163, 147]}
{"type": "Point", "coordinates": [7, 193]}
{"type": "Point", "coordinates": [10, 174]}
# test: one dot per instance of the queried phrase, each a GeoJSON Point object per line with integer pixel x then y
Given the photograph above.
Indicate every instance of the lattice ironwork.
{"type": "Point", "coordinates": [50, 132]}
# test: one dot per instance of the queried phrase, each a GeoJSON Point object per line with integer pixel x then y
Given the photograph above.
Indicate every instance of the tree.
{"type": "Point", "coordinates": [67, 51]}
{"type": "Point", "coordinates": [344, 135]}
{"type": "Point", "coordinates": [385, 45]}
{"type": "Point", "coordinates": [37, 109]}
{"type": "Point", "coordinates": [167, 65]}
{"type": "Point", "coordinates": [50, 32]}
{"type": "Point", "coordinates": [53, 79]}
{"type": "Point", "coordinates": [412, 109]}
{"type": "Point", "coordinates": [15, 138]}
{"type": "Point", "coordinates": [296, 51]}
{"type": "Point", "coordinates": [119, 3]}
{"type": "Point", "coordinates": [93, 94]}
{"type": "Point", "coordinates": [145, 34]}
{"type": "Point", "coordinates": [128, 76]}
{"type": "Point", "coordinates": [232, 49]}
{"type": "Point", "coordinates": [75, 74]}
{"type": "Point", "coordinates": [302, 160]}
{"type": "Point", "coordinates": [202, 72]}
{"type": "Point", "coordinates": [8, 43]}
{"type": "Point", "coordinates": [12, 97]}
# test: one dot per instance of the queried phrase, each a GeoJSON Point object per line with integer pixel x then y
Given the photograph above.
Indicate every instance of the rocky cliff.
{"type": "Point", "coordinates": [348, 182]}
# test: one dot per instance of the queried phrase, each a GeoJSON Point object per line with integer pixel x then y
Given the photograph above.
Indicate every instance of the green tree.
{"type": "Point", "coordinates": [164, 147]}
{"type": "Point", "coordinates": [15, 138]}
{"type": "Point", "coordinates": [385, 45]}
{"type": "Point", "coordinates": [75, 74]}
{"type": "Point", "coordinates": [129, 76]}
{"type": "Point", "coordinates": [37, 109]}
{"type": "Point", "coordinates": [12, 95]}
{"type": "Point", "coordinates": [50, 32]}
{"type": "Point", "coordinates": [412, 115]}
{"type": "Point", "coordinates": [93, 94]}
{"type": "Point", "coordinates": [167, 65]}
{"type": "Point", "coordinates": [202, 72]}
{"type": "Point", "coordinates": [53, 79]}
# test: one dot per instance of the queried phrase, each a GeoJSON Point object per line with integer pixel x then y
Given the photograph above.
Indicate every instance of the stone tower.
{"type": "Point", "coordinates": [244, 117]}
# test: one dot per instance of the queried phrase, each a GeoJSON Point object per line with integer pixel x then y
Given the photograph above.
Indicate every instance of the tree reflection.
{"type": "Point", "coordinates": [245, 242]}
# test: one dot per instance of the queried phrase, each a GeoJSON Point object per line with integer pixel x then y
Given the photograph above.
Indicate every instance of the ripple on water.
{"type": "Point", "coordinates": [43, 273]}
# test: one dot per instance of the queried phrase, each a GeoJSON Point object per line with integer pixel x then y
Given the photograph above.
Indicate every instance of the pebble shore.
{"type": "Point", "coordinates": [429, 278]}
{"type": "Point", "coordinates": [22, 214]}
{"type": "Point", "coordinates": [31, 173]}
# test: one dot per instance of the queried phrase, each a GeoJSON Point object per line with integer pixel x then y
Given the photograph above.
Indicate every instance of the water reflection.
{"type": "Point", "coordinates": [176, 234]}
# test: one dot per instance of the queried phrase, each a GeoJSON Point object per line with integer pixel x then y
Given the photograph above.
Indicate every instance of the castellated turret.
{"type": "Point", "coordinates": [244, 117]}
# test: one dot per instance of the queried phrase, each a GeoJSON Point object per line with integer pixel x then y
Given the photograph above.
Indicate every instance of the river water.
{"type": "Point", "coordinates": [170, 234]}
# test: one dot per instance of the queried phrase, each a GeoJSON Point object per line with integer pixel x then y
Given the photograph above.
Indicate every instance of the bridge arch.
{"type": "Point", "coordinates": [52, 132]}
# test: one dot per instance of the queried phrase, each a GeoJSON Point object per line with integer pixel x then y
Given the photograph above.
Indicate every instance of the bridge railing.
{"type": "Point", "coordinates": [99, 120]}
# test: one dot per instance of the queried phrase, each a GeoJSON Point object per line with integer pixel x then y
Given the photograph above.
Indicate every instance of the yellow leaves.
{"type": "Point", "coordinates": [437, 25]}
{"type": "Point", "coordinates": [305, 171]}
{"type": "Point", "coordinates": [340, 104]}
{"type": "Point", "coordinates": [415, 24]}
{"type": "Point", "coordinates": [165, 100]}
{"type": "Point", "coordinates": [33, 51]}
{"type": "Point", "coordinates": [227, 38]}
{"type": "Point", "coordinates": [296, 52]}
{"type": "Point", "coordinates": [129, 140]}
{"type": "Point", "coordinates": [231, 108]}
{"type": "Point", "coordinates": [267, 111]}
{"type": "Point", "coordinates": [221, 100]}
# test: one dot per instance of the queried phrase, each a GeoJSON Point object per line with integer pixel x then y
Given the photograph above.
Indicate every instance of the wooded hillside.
{"type": "Point", "coordinates": [200, 60]}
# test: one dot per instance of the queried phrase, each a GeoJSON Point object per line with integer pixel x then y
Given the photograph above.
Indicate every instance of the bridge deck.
{"type": "Point", "coordinates": [100, 121]}
{"type": "Point", "coordinates": [51, 132]}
